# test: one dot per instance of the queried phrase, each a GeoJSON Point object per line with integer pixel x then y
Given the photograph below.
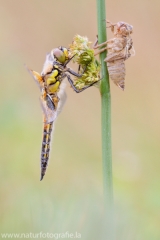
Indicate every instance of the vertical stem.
{"type": "Point", "coordinates": [106, 113]}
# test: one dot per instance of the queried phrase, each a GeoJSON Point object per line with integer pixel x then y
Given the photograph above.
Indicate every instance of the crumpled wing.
{"type": "Point", "coordinates": [37, 77]}
{"type": "Point", "coordinates": [50, 113]}
{"type": "Point", "coordinates": [61, 103]}
{"type": "Point", "coordinates": [62, 96]}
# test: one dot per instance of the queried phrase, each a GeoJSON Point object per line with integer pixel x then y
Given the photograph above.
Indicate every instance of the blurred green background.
{"type": "Point", "coordinates": [71, 195]}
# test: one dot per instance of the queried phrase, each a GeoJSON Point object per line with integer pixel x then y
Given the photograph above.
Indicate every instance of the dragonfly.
{"type": "Point", "coordinates": [53, 96]}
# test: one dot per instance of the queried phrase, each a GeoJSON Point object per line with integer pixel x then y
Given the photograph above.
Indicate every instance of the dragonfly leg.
{"type": "Point", "coordinates": [96, 45]}
{"type": "Point", "coordinates": [76, 74]}
{"type": "Point", "coordinates": [69, 60]}
{"type": "Point", "coordinates": [74, 88]}
{"type": "Point", "coordinates": [79, 68]}
{"type": "Point", "coordinates": [96, 42]}
{"type": "Point", "coordinates": [100, 45]}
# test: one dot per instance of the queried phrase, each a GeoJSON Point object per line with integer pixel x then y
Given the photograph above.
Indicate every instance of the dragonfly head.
{"type": "Point", "coordinates": [61, 54]}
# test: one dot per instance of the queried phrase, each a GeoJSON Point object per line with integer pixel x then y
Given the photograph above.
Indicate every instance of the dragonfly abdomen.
{"type": "Point", "coordinates": [45, 147]}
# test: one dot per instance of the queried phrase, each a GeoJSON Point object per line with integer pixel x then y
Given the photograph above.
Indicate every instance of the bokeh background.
{"type": "Point", "coordinates": [70, 198]}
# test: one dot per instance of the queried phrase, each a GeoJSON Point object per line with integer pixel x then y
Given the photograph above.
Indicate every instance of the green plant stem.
{"type": "Point", "coordinates": [106, 112]}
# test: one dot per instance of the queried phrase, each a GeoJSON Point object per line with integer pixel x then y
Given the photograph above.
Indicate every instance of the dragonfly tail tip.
{"type": "Point", "coordinates": [41, 177]}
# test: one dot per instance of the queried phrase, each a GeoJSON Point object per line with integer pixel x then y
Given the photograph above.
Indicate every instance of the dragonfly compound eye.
{"type": "Point", "coordinates": [65, 51]}
{"type": "Point", "coordinates": [59, 55]}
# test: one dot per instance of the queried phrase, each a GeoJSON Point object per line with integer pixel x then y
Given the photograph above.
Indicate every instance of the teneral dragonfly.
{"type": "Point", "coordinates": [52, 94]}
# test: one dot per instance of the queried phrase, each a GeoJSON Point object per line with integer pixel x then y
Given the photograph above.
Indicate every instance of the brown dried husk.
{"type": "Point", "coordinates": [119, 49]}
{"type": "Point", "coordinates": [117, 73]}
